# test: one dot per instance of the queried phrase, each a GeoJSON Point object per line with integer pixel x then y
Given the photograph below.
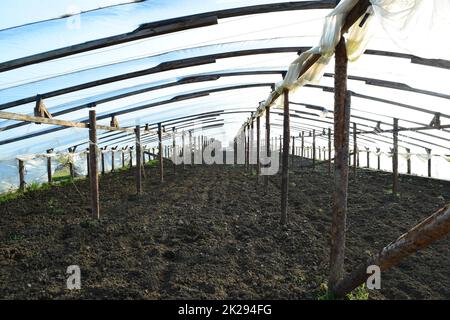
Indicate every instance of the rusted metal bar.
{"type": "Point", "coordinates": [429, 162]}
{"type": "Point", "coordinates": [285, 169]}
{"type": "Point", "coordinates": [303, 149]}
{"type": "Point", "coordinates": [341, 145]}
{"type": "Point", "coordinates": [368, 157]}
{"type": "Point", "coordinates": [93, 165]}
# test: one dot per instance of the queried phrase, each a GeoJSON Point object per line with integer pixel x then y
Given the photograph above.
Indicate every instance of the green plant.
{"type": "Point", "coordinates": [360, 293]}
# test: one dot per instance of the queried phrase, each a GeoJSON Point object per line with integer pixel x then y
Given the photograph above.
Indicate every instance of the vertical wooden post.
{"type": "Point", "coordinates": [378, 159]}
{"type": "Point", "coordinates": [268, 139]}
{"type": "Point", "coordinates": [174, 149]}
{"type": "Point", "coordinates": [123, 158]}
{"type": "Point", "coordinates": [285, 169]}
{"type": "Point", "coordinates": [293, 152]}
{"type": "Point", "coordinates": [103, 161]}
{"type": "Point", "coordinates": [93, 165]}
{"type": "Point", "coordinates": [281, 151]}
{"type": "Point", "coordinates": [71, 169]}
{"type": "Point", "coordinates": [408, 161]}
{"type": "Point", "coordinates": [252, 144]}
{"type": "Point", "coordinates": [138, 160]}
{"type": "Point", "coordinates": [21, 175]}
{"type": "Point", "coordinates": [131, 157]}
{"type": "Point", "coordinates": [113, 155]}
{"type": "Point", "coordinates": [258, 146]}
{"type": "Point", "coordinates": [247, 147]}
{"type": "Point", "coordinates": [161, 162]}
{"type": "Point", "coordinates": [87, 163]}
{"type": "Point", "coordinates": [429, 162]}
{"type": "Point", "coordinates": [355, 149]}
{"type": "Point", "coordinates": [395, 159]}
{"type": "Point", "coordinates": [368, 157]}
{"type": "Point", "coordinates": [302, 154]}
{"type": "Point", "coordinates": [49, 167]}
{"type": "Point", "coordinates": [183, 148]}
{"type": "Point", "coordinates": [341, 146]}
{"type": "Point", "coordinates": [329, 151]}
{"type": "Point", "coordinates": [314, 149]}
{"type": "Point", "coordinates": [191, 154]}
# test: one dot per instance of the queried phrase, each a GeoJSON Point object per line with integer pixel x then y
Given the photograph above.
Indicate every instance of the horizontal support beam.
{"type": "Point", "coordinates": [56, 122]}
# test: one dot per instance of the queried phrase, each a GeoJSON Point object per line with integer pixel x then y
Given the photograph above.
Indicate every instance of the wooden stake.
{"type": "Point", "coordinates": [395, 159]}
{"type": "Point", "coordinates": [429, 162]}
{"type": "Point", "coordinates": [341, 146]}
{"type": "Point", "coordinates": [138, 161]}
{"type": "Point", "coordinates": [93, 165]}
{"type": "Point", "coordinates": [161, 162]}
{"type": "Point", "coordinates": [285, 169]}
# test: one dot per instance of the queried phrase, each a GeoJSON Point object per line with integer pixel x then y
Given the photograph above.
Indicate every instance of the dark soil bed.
{"type": "Point", "coordinates": [210, 232]}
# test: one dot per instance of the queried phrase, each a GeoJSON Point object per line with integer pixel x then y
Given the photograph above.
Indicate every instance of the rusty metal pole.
{"type": "Point", "coordinates": [93, 165]}
{"type": "Point", "coordinates": [395, 159]}
{"type": "Point", "coordinates": [378, 159]}
{"type": "Point", "coordinates": [429, 162]}
{"type": "Point", "coordinates": [161, 160]}
{"type": "Point", "coordinates": [138, 160]}
{"type": "Point", "coordinates": [285, 169]}
{"type": "Point", "coordinates": [341, 145]}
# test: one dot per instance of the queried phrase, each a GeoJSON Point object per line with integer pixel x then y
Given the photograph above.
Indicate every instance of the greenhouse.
{"type": "Point", "coordinates": [225, 149]}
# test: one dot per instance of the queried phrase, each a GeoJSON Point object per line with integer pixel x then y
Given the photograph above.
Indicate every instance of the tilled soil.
{"type": "Point", "coordinates": [212, 232]}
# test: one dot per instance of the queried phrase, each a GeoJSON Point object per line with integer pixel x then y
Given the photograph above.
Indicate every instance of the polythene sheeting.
{"type": "Point", "coordinates": [102, 23]}
{"type": "Point", "coordinates": [37, 11]}
{"type": "Point", "coordinates": [418, 26]}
